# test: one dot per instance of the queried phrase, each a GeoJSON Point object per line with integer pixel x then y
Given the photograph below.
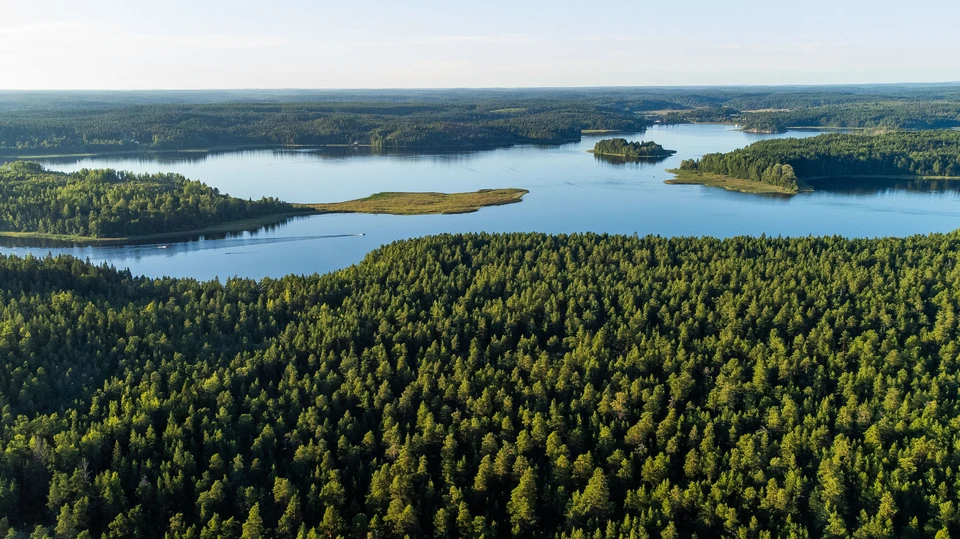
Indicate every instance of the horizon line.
{"type": "Point", "coordinates": [462, 88]}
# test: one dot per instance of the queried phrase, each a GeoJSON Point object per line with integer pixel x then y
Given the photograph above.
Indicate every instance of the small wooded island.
{"type": "Point", "coordinates": [620, 147]}
{"type": "Point", "coordinates": [109, 206]}
{"type": "Point", "coordinates": [790, 166]}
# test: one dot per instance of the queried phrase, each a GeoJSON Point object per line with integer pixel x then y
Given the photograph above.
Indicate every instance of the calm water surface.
{"type": "Point", "coordinates": [570, 191]}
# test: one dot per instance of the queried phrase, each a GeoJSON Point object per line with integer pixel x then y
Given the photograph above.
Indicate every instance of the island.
{"type": "Point", "coordinates": [421, 203]}
{"type": "Point", "coordinates": [620, 147]}
{"type": "Point", "coordinates": [792, 165]}
{"type": "Point", "coordinates": [109, 206]}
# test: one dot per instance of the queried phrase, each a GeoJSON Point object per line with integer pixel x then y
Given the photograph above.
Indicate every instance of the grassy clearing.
{"type": "Point", "coordinates": [421, 203]}
{"type": "Point", "coordinates": [686, 177]}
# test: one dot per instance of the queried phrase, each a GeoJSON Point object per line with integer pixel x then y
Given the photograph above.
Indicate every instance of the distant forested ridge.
{"type": "Point", "coordinates": [66, 122]}
{"type": "Point", "coordinates": [382, 125]}
{"type": "Point", "coordinates": [112, 204]}
{"type": "Point", "coordinates": [885, 114]}
{"type": "Point", "coordinates": [784, 161]}
{"type": "Point", "coordinates": [492, 385]}
{"type": "Point", "coordinates": [775, 109]}
{"type": "Point", "coordinates": [621, 148]}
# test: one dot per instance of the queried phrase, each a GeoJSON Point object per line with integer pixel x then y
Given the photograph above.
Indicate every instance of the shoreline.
{"type": "Point", "coordinates": [885, 177]}
{"type": "Point", "coordinates": [147, 151]}
{"type": "Point", "coordinates": [230, 227]}
{"type": "Point", "coordinates": [420, 203]}
{"type": "Point", "coordinates": [387, 203]}
{"type": "Point", "coordinates": [665, 153]}
{"type": "Point", "coordinates": [242, 147]}
{"type": "Point", "coordinates": [685, 177]}
{"type": "Point", "coordinates": [755, 131]}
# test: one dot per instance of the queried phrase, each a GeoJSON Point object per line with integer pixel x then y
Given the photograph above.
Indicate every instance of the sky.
{"type": "Point", "coordinates": [206, 44]}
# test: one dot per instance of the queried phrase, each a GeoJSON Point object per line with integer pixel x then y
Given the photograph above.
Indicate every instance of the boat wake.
{"type": "Point", "coordinates": [233, 244]}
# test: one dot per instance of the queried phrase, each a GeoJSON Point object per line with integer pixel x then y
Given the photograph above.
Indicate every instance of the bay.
{"type": "Point", "coordinates": [571, 191]}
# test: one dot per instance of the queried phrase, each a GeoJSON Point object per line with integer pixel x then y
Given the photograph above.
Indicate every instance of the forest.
{"type": "Point", "coordinates": [380, 125]}
{"type": "Point", "coordinates": [489, 386]}
{"type": "Point", "coordinates": [47, 123]}
{"type": "Point", "coordinates": [934, 153]}
{"type": "Point", "coordinates": [619, 147]}
{"type": "Point", "coordinates": [881, 114]}
{"type": "Point", "coordinates": [112, 204]}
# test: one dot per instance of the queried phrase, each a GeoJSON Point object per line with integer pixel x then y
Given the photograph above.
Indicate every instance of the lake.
{"type": "Point", "coordinates": [570, 191]}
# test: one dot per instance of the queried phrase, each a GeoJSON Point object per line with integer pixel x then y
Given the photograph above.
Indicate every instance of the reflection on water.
{"type": "Point", "coordinates": [873, 186]}
{"type": "Point", "coordinates": [166, 241]}
{"type": "Point", "coordinates": [232, 246]}
{"type": "Point", "coordinates": [571, 191]}
{"type": "Point", "coordinates": [346, 152]}
{"type": "Point", "coordinates": [319, 153]}
{"type": "Point", "coordinates": [635, 161]}
{"type": "Point", "coordinates": [161, 157]}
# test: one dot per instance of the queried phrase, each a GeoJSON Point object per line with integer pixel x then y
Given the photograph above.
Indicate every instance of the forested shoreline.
{"type": "Point", "coordinates": [380, 125]}
{"type": "Point", "coordinates": [881, 114]}
{"type": "Point", "coordinates": [106, 203]}
{"type": "Point", "coordinates": [492, 385]}
{"type": "Point", "coordinates": [110, 206]}
{"type": "Point", "coordinates": [784, 162]}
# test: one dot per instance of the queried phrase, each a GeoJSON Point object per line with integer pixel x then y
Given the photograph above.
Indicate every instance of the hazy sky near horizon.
{"type": "Point", "coordinates": [132, 44]}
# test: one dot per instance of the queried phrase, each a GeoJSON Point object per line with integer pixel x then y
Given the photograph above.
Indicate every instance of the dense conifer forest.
{"type": "Point", "coordinates": [381, 125]}
{"type": "Point", "coordinates": [881, 114]}
{"type": "Point", "coordinates": [492, 385]}
{"type": "Point", "coordinates": [111, 204]}
{"type": "Point", "coordinates": [781, 162]}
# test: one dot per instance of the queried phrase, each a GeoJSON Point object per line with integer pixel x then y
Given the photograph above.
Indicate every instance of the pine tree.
{"type": "Point", "coordinates": [523, 503]}
{"type": "Point", "coordinates": [253, 526]}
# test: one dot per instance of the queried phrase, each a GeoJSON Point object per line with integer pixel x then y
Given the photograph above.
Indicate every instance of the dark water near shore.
{"type": "Point", "coordinates": [570, 191]}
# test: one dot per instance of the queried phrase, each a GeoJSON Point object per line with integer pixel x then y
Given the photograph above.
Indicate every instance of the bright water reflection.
{"type": "Point", "coordinates": [570, 191]}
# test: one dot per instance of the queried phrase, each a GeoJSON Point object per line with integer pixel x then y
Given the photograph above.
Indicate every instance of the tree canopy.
{"type": "Point", "coordinates": [783, 161]}
{"type": "Point", "coordinates": [489, 385]}
{"type": "Point", "coordinates": [621, 148]}
{"type": "Point", "coordinates": [107, 203]}
{"type": "Point", "coordinates": [380, 124]}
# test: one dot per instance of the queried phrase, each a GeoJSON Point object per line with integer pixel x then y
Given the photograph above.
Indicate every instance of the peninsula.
{"type": "Point", "coordinates": [796, 165]}
{"type": "Point", "coordinates": [108, 206]}
{"type": "Point", "coordinates": [692, 177]}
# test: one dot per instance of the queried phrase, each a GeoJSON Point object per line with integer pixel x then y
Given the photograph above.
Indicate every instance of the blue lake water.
{"type": "Point", "coordinates": [570, 191]}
